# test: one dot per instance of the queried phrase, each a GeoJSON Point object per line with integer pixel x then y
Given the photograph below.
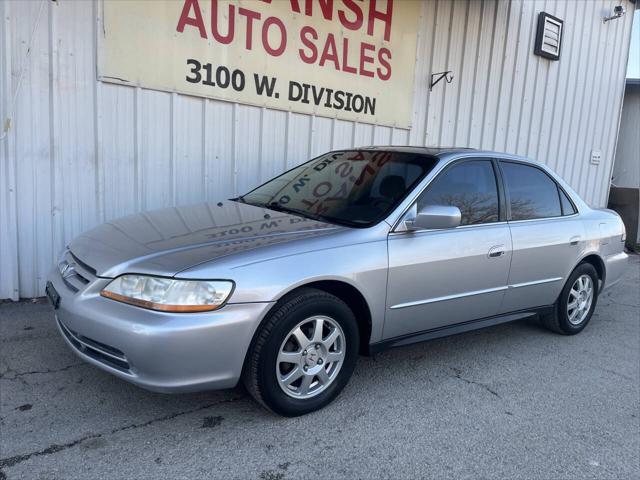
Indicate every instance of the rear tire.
{"type": "Point", "coordinates": [303, 354]}
{"type": "Point", "coordinates": [576, 303]}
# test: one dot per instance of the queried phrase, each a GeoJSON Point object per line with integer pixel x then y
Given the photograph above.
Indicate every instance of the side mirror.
{"type": "Point", "coordinates": [434, 217]}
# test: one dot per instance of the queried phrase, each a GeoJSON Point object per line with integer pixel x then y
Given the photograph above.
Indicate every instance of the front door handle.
{"type": "Point", "coordinates": [574, 240]}
{"type": "Point", "coordinates": [496, 251]}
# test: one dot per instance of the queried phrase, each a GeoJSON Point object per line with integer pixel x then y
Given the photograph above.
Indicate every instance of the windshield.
{"type": "Point", "coordinates": [357, 188]}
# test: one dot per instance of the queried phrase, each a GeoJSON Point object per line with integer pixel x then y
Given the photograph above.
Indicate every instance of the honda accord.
{"type": "Point", "coordinates": [350, 253]}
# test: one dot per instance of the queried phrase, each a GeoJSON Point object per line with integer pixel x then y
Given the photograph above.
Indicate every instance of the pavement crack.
{"type": "Point", "coordinates": [613, 372]}
{"type": "Point", "coordinates": [622, 304]}
{"type": "Point", "coordinates": [36, 372]}
{"type": "Point", "coordinates": [55, 448]}
{"type": "Point", "coordinates": [458, 375]}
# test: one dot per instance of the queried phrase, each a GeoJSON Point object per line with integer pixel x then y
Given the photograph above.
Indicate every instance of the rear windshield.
{"type": "Point", "coordinates": [357, 188]}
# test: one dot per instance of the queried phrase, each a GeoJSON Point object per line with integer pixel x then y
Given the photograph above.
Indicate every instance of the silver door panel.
{"type": "Point", "coordinates": [443, 277]}
{"type": "Point", "coordinates": [544, 252]}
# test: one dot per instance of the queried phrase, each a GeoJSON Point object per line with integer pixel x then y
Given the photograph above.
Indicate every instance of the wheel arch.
{"type": "Point", "coordinates": [355, 300]}
{"type": "Point", "coordinates": [598, 263]}
{"type": "Point", "coordinates": [346, 292]}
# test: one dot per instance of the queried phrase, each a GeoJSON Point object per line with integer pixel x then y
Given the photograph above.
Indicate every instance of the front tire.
{"type": "Point", "coordinates": [304, 353]}
{"type": "Point", "coordinates": [576, 303]}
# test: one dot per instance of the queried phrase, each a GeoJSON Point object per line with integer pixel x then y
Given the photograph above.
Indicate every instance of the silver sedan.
{"type": "Point", "coordinates": [350, 253]}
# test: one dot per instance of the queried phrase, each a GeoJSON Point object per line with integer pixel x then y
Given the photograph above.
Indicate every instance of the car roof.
{"type": "Point", "coordinates": [433, 151]}
{"type": "Point", "coordinates": [446, 152]}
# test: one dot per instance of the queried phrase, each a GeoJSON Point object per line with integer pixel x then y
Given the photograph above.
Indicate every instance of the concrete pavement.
{"type": "Point", "coordinates": [512, 401]}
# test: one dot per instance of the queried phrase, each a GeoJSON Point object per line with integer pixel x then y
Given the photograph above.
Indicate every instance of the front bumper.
{"type": "Point", "coordinates": [158, 351]}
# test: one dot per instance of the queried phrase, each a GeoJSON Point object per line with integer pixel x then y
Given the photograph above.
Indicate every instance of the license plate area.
{"type": "Point", "coordinates": [52, 295]}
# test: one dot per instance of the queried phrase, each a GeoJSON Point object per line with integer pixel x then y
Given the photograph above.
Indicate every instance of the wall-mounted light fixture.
{"type": "Point", "coordinates": [618, 11]}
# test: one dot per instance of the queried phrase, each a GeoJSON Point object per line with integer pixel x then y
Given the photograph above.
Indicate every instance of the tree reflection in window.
{"type": "Point", "coordinates": [470, 186]}
{"type": "Point", "coordinates": [522, 209]}
{"type": "Point", "coordinates": [532, 192]}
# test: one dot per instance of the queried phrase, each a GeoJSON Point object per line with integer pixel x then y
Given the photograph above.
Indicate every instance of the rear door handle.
{"type": "Point", "coordinates": [496, 251]}
{"type": "Point", "coordinates": [574, 240]}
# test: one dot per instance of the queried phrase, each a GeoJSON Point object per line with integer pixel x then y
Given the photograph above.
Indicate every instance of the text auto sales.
{"type": "Point", "coordinates": [314, 49]}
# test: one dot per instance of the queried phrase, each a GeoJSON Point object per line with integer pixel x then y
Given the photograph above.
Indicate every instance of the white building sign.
{"type": "Point", "coordinates": [348, 59]}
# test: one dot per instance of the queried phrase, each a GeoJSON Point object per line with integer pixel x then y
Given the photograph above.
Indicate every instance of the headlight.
{"type": "Point", "coordinates": [167, 294]}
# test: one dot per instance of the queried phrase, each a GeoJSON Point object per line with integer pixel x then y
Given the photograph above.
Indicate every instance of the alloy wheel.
{"type": "Point", "coordinates": [580, 299]}
{"type": "Point", "coordinates": [310, 357]}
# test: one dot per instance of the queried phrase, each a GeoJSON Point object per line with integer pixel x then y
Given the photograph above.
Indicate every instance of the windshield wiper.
{"type": "Point", "coordinates": [281, 208]}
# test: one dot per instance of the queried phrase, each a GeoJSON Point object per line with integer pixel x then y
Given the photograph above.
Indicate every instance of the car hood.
{"type": "Point", "coordinates": [167, 241]}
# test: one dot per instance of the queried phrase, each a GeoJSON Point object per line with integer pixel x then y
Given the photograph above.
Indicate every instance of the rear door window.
{"type": "Point", "coordinates": [567, 206]}
{"type": "Point", "coordinates": [531, 192]}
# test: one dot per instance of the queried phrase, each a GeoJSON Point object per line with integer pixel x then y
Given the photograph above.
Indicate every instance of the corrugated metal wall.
{"type": "Point", "coordinates": [82, 152]}
{"type": "Point", "coordinates": [626, 173]}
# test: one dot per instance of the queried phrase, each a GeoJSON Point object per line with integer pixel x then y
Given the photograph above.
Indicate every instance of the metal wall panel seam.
{"type": "Point", "coordinates": [517, 80]}
{"type": "Point", "coordinates": [234, 151]}
{"type": "Point", "coordinates": [481, 80]}
{"type": "Point", "coordinates": [439, 63]}
{"type": "Point", "coordinates": [471, 51]}
{"type": "Point", "coordinates": [427, 79]}
{"type": "Point", "coordinates": [353, 135]}
{"type": "Point", "coordinates": [203, 151]}
{"type": "Point", "coordinates": [618, 69]}
{"type": "Point", "coordinates": [575, 136]}
{"type": "Point", "coordinates": [595, 111]}
{"type": "Point", "coordinates": [499, 107]}
{"type": "Point", "coordinates": [58, 213]}
{"type": "Point", "coordinates": [34, 221]}
{"type": "Point", "coordinates": [97, 131]}
{"type": "Point", "coordinates": [475, 74]}
{"type": "Point", "coordinates": [445, 66]}
{"type": "Point", "coordinates": [172, 147]}
{"type": "Point", "coordinates": [9, 280]}
{"type": "Point", "coordinates": [622, 67]}
{"type": "Point", "coordinates": [456, 63]}
{"type": "Point", "coordinates": [562, 169]}
{"type": "Point", "coordinates": [567, 101]}
{"type": "Point", "coordinates": [502, 24]}
{"type": "Point", "coordinates": [536, 83]}
{"type": "Point", "coordinates": [526, 78]}
{"type": "Point", "coordinates": [563, 73]}
{"type": "Point", "coordinates": [137, 125]}
{"type": "Point", "coordinates": [585, 110]}
{"type": "Point", "coordinates": [418, 77]}
{"type": "Point", "coordinates": [512, 82]}
{"type": "Point", "coordinates": [56, 239]}
{"type": "Point", "coordinates": [261, 129]}
{"type": "Point", "coordinates": [312, 129]}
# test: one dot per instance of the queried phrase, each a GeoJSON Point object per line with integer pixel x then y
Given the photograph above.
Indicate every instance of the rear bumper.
{"type": "Point", "coordinates": [615, 266]}
{"type": "Point", "coordinates": [156, 350]}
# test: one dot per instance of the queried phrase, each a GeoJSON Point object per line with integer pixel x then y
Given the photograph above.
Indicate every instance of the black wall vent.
{"type": "Point", "coordinates": [549, 36]}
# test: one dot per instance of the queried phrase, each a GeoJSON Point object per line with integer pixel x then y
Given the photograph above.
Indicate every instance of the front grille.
{"type": "Point", "coordinates": [98, 351]}
{"type": "Point", "coordinates": [87, 270]}
{"type": "Point", "coordinates": [75, 273]}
